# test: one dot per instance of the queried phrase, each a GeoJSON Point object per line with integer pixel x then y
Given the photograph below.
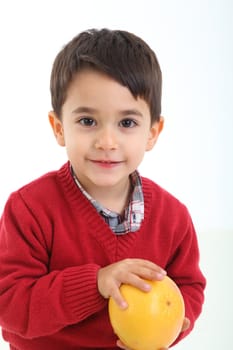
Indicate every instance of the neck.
{"type": "Point", "coordinates": [115, 200]}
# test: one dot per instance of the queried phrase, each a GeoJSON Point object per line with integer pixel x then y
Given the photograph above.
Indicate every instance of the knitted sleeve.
{"type": "Point", "coordinates": [184, 268]}
{"type": "Point", "coordinates": [34, 301]}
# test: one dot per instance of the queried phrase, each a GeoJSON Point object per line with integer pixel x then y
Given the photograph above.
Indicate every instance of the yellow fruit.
{"type": "Point", "coordinates": [153, 319]}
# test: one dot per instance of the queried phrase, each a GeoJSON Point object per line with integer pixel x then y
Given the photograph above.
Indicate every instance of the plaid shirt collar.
{"type": "Point", "coordinates": [134, 213]}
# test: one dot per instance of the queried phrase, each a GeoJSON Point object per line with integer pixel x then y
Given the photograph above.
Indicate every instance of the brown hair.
{"type": "Point", "coordinates": [120, 54]}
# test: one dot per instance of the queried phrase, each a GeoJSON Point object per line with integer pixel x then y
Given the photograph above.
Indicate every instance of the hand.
{"type": "Point", "coordinates": [122, 346]}
{"type": "Point", "coordinates": [128, 271]}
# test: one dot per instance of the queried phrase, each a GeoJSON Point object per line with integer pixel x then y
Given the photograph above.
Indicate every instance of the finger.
{"type": "Point", "coordinates": [132, 280]}
{"type": "Point", "coordinates": [118, 298]}
{"type": "Point", "coordinates": [145, 269]}
{"type": "Point", "coordinates": [137, 282]}
{"type": "Point", "coordinates": [186, 324]}
{"type": "Point", "coordinates": [149, 274]}
{"type": "Point", "coordinates": [121, 345]}
{"type": "Point", "coordinates": [149, 265]}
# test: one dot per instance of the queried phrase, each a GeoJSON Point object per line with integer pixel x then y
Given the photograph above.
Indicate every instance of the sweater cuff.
{"type": "Point", "coordinates": [81, 294]}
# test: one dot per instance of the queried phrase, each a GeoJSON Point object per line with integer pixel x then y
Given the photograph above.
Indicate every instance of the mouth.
{"type": "Point", "coordinates": [106, 163]}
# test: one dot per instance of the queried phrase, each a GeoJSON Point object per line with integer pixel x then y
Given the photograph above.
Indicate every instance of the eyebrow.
{"type": "Point", "coordinates": [84, 109]}
{"type": "Point", "coordinates": [124, 113]}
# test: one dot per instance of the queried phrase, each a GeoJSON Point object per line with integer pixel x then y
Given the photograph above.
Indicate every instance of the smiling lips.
{"type": "Point", "coordinates": [106, 163]}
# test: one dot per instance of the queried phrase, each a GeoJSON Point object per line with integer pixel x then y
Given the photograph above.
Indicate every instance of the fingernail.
{"type": "Point", "coordinates": [162, 273]}
{"type": "Point", "coordinates": [147, 287]}
{"type": "Point", "coordinates": [123, 305]}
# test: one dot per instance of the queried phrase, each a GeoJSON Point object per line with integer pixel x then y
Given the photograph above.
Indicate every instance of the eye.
{"type": "Point", "coordinates": [128, 123]}
{"type": "Point", "coordinates": [87, 121]}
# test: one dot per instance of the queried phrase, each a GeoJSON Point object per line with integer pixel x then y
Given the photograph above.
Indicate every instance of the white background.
{"type": "Point", "coordinates": [194, 155]}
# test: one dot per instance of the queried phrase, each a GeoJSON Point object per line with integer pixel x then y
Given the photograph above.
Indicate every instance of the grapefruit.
{"type": "Point", "coordinates": [153, 319]}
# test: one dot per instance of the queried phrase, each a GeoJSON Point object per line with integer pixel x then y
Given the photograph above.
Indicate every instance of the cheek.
{"type": "Point", "coordinates": [72, 145]}
{"type": "Point", "coordinates": [136, 149]}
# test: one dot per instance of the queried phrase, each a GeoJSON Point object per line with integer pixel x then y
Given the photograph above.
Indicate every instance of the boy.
{"type": "Point", "coordinates": [69, 239]}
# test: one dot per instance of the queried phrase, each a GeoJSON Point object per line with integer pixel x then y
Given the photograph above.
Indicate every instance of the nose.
{"type": "Point", "coordinates": [106, 139]}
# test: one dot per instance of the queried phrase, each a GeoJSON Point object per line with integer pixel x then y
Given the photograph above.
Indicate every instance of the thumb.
{"type": "Point", "coordinates": [186, 324]}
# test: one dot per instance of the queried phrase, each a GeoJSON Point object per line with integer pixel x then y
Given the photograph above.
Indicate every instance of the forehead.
{"type": "Point", "coordinates": [97, 89]}
{"type": "Point", "coordinates": [93, 79]}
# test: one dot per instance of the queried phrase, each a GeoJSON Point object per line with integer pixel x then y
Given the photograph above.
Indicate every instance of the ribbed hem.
{"type": "Point", "coordinates": [81, 294]}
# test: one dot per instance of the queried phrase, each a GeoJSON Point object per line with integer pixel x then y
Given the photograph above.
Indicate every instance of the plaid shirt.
{"type": "Point", "coordinates": [133, 214]}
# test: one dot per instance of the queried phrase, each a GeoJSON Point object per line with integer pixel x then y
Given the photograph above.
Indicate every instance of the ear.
{"type": "Point", "coordinates": [155, 130]}
{"type": "Point", "coordinates": [57, 127]}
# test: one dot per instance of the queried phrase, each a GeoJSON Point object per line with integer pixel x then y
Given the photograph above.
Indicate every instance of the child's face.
{"type": "Point", "coordinates": [105, 130]}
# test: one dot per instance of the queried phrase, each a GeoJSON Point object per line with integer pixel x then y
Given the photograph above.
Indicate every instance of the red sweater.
{"type": "Point", "coordinates": [52, 243]}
